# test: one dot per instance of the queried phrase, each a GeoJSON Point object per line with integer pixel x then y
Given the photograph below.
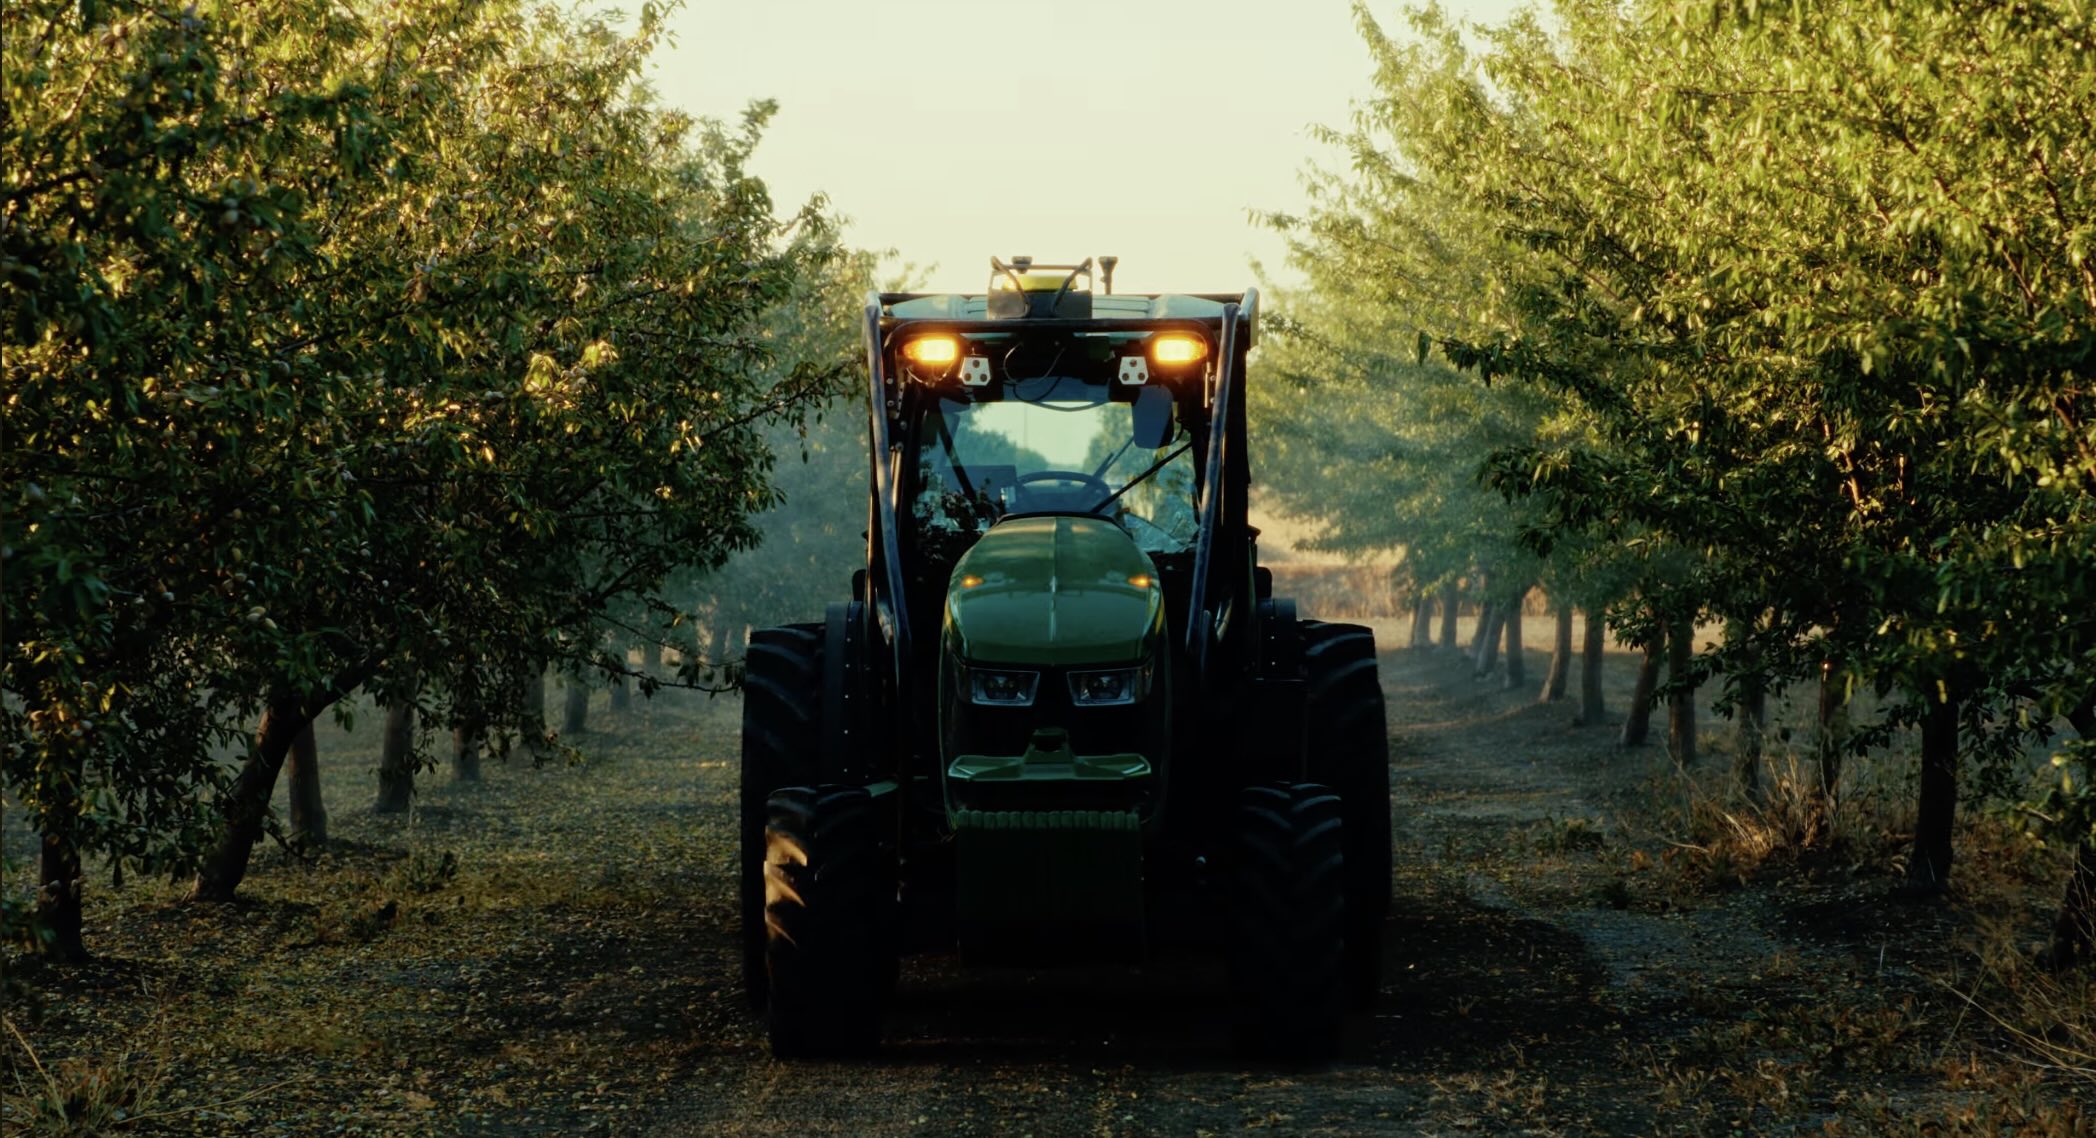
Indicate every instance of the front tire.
{"type": "Point", "coordinates": [826, 895]}
{"type": "Point", "coordinates": [1349, 750]}
{"type": "Point", "coordinates": [781, 746]}
{"type": "Point", "coordinates": [1287, 917]}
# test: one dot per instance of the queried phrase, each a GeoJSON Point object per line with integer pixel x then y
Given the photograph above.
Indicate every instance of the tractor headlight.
{"type": "Point", "coordinates": [999, 687]}
{"type": "Point", "coordinates": [1110, 687]}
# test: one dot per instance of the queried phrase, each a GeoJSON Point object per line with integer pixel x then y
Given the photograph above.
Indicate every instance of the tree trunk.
{"type": "Point", "coordinates": [1593, 708]}
{"type": "Point", "coordinates": [1516, 655]}
{"type": "Point", "coordinates": [308, 808]}
{"type": "Point", "coordinates": [718, 643]}
{"type": "Point", "coordinates": [2075, 927]}
{"type": "Point", "coordinates": [1451, 600]}
{"type": "Point", "coordinates": [1637, 722]}
{"type": "Point", "coordinates": [1477, 635]}
{"type": "Point", "coordinates": [1753, 710]}
{"type": "Point", "coordinates": [1681, 701]}
{"type": "Point", "coordinates": [532, 697]}
{"type": "Point", "coordinates": [574, 719]}
{"type": "Point", "coordinates": [1423, 622]}
{"type": "Point", "coordinates": [248, 804]}
{"type": "Point", "coordinates": [59, 902]}
{"type": "Point", "coordinates": [1928, 870]}
{"type": "Point", "coordinates": [1830, 730]}
{"type": "Point", "coordinates": [1492, 619]}
{"type": "Point", "coordinates": [2074, 930]}
{"type": "Point", "coordinates": [651, 657]}
{"type": "Point", "coordinates": [465, 754]}
{"type": "Point", "coordinates": [1560, 672]}
{"type": "Point", "coordinates": [396, 760]}
{"type": "Point", "coordinates": [621, 691]}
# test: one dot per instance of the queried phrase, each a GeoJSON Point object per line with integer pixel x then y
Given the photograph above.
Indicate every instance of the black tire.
{"type": "Point", "coordinates": [1349, 750]}
{"type": "Point", "coordinates": [1287, 916]}
{"type": "Point", "coordinates": [781, 746]}
{"type": "Point", "coordinates": [826, 896]}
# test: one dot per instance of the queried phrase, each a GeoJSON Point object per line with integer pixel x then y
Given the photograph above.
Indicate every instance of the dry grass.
{"type": "Point", "coordinates": [1964, 1015]}
{"type": "Point", "coordinates": [76, 1096]}
{"type": "Point", "coordinates": [2029, 1014]}
{"type": "Point", "coordinates": [478, 958]}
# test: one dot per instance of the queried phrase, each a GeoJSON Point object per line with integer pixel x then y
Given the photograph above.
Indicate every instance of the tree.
{"type": "Point", "coordinates": [814, 535]}
{"type": "Point", "coordinates": [1554, 681]}
{"type": "Point", "coordinates": [396, 763]}
{"type": "Point", "coordinates": [335, 348]}
{"type": "Point", "coordinates": [1811, 294]}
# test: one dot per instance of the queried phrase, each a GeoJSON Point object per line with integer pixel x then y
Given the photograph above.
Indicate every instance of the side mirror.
{"type": "Point", "coordinates": [1153, 418]}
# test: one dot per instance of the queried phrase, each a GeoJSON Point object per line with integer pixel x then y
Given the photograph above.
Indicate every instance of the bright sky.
{"type": "Point", "coordinates": [949, 130]}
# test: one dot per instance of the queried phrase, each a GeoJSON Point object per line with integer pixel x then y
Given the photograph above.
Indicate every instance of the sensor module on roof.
{"type": "Point", "coordinates": [1022, 289]}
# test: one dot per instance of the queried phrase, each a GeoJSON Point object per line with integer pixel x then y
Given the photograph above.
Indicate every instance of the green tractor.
{"type": "Point", "coordinates": [1061, 718]}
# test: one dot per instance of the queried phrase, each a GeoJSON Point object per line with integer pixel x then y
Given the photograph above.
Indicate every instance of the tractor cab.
{"type": "Point", "coordinates": [1040, 398]}
{"type": "Point", "coordinates": [1061, 704]}
{"type": "Point", "coordinates": [1054, 443]}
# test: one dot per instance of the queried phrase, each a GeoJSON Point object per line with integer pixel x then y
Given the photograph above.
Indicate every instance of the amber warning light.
{"type": "Point", "coordinates": [935, 352]}
{"type": "Point", "coordinates": [1177, 350]}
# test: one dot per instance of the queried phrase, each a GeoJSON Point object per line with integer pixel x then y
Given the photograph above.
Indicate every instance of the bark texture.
{"type": "Point", "coordinates": [1681, 700]}
{"type": "Point", "coordinates": [59, 904]}
{"type": "Point", "coordinates": [532, 697]}
{"type": "Point", "coordinates": [1928, 869]}
{"type": "Point", "coordinates": [1423, 622]}
{"type": "Point", "coordinates": [718, 643]}
{"type": "Point", "coordinates": [1479, 634]}
{"type": "Point", "coordinates": [1830, 727]}
{"type": "Point", "coordinates": [248, 804]}
{"type": "Point", "coordinates": [1593, 655]}
{"type": "Point", "coordinates": [574, 719]}
{"type": "Point", "coordinates": [1493, 619]}
{"type": "Point", "coordinates": [1753, 711]}
{"type": "Point", "coordinates": [465, 754]}
{"type": "Point", "coordinates": [1556, 679]}
{"type": "Point", "coordinates": [1637, 722]}
{"type": "Point", "coordinates": [1516, 653]}
{"type": "Point", "coordinates": [1451, 600]}
{"type": "Point", "coordinates": [2074, 929]}
{"type": "Point", "coordinates": [308, 808]}
{"type": "Point", "coordinates": [396, 760]}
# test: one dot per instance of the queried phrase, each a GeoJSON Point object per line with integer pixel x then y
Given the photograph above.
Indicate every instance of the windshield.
{"type": "Point", "coordinates": [1059, 445]}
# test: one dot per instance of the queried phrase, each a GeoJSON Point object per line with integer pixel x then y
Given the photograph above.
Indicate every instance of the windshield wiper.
{"type": "Point", "coordinates": [1154, 468]}
{"type": "Point", "coordinates": [960, 472]}
{"type": "Point", "coordinates": [1115, 457]}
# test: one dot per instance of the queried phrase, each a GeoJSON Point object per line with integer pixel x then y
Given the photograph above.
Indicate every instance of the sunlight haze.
{"type": "Point", "coordinates": [949, 130]}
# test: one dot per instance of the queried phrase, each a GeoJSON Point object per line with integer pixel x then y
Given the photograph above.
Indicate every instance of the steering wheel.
{"type": "Point", "coordinates": [1077, 477]}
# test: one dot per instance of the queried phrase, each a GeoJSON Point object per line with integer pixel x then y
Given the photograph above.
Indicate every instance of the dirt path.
{"type": "Point", "coordinates": [552, 952]}
{"type": "Point", "coordinates": [1514, 1001]}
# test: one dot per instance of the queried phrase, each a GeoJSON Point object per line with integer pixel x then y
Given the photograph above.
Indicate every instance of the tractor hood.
{"type": "Point", "coordinates": [1053, 592]}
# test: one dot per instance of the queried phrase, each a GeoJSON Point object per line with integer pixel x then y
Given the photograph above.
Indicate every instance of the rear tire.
{"type": "Point", "coordinates": [1287, 917]}
{"type": "Point", "coordinates": [1349, 750]}
{"type": "Point", "coordinates": [826, 922]}
{"type": "Point", "coordinates": [781, 746]}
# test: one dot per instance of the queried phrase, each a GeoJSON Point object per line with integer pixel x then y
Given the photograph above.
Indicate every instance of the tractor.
{"type": "Point", "coordinates": [1061, 718]}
